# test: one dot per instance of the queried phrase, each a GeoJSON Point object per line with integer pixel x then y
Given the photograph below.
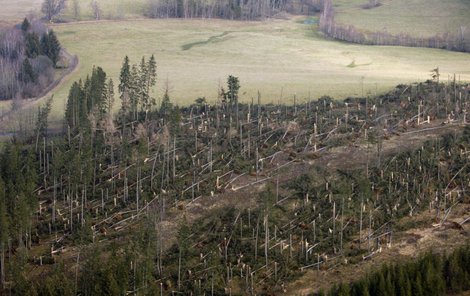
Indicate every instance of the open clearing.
{"type": "Point", "coordinates": [18, 9]}
{"type": "Point", "coordinates": [274, 57]}
{"type": "Point", "coordinates": [111, 9]}
{"type": "Point", "coordinates": [418, 17]}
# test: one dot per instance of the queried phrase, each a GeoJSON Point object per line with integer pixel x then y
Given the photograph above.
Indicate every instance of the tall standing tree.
{"type": "Point", "coordinates": [109, 95]}
{"type": "Point", "coordinates": [52, 8]}
{"type": "Point", "coordinates": [3, 232]}
{"type": "Point", "coordinates": [54, 48]}
{"type": "Point", "coordinates": [33, 46]}
{"type": "Point", "coordinates": [150, 81]}
{"type": "Point", "coordinates": [124, 77]}
{"type": "Point", "coordinates": [134, 91]}
{"type": "Point", "coordinates": [233, 86]}
{"type": "Point", "coordinates": [142, 84]}
{"type": "Point", "coordinates": [42, 120]}
{"type": "Point", "coordinates": [45, 44]}
{"type": "Point", "coordinates": [27, 73]}
{"type": "Point", "coordinates": [26, 25]}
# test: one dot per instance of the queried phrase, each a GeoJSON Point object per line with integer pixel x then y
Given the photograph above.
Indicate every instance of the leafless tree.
{"type": "Point", "coordinates": [95, 7]}
{"type": "Point", "coordinates": [52, 8]}
{"type": "Point", "coordinates": [76, 9]}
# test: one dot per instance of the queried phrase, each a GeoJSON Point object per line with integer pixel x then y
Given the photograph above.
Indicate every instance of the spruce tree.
{"type": "Point", "coordinates": [151, 80]}
{"type": "Point", "coordinates": [143, 84]}
{"type": "Point", "coordinates": [45, 50]}
{"type": "Point", "coordinates": [26, 25]}
{"type": "Point", "coordinates": [233, 86]}
{"type": "Point", "coordinates": [27, 72]}
{"type": "Point", "coordinates": [33, 46]}
{"type": "Point", "coordinates": [134, 91]}
{"type": "Point", "coordinates": [43, 114]}
{"type": "Point", "coordinates": [109, 96]}
{"type": "Point", "coordinates": [124, 77]}
{"type": "Point", "coordinates": [3, 232]}
{"type": "Point", "coordinates": [54, 48]}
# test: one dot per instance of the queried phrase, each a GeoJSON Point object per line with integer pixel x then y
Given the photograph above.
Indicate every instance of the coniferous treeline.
{"type": "Point", "coordinates": [429, 275]}
{"type": "Point", "coordinates": [89, 102]}
{"type": "Point", "coordinates": [28, 55]}
{"type": "Point", "coordinates": [456, 41]}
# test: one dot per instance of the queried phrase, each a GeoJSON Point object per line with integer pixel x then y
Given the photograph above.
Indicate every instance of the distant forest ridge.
{"type": "Point", "coordinates": [455, 41]}
{"type": "Point", "coordinates": [230, 9]}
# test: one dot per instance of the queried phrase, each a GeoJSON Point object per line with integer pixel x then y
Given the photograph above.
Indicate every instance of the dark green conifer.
{"type": "Point", "coordinates": [26, 25]}
{"type": "Point", "coordinates": [27, 72]}
{"type": "Point", "coordinates": [33, 46]}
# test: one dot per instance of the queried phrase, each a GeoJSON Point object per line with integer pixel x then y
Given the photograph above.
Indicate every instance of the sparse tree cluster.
{"type": "Point", "coordinates": [456, 41]}
{"type": "Point", "coordinates": [136, 87]}
{"type": "Point", "coordinates": [52, 8]}
{"type": "Point", "coordinates": [28, 56]}
{"type": "Point", "coordinates": [228, 9]}
{"type": "Point", "coordinates": [90, 102]}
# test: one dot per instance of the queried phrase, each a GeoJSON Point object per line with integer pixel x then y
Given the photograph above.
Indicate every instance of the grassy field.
{"type": "Point", "coordinates": [416, 17]}
{"type": "Point", "coordinates": [111, 9]}
{"type": "Point", "coordinates": [277, 57]}
{"type": "Point", "coordinates": [274, 57]}
{"type": "Point", "coordinates": [18, 9]}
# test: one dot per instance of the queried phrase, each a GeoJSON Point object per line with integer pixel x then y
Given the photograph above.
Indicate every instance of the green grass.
{"type": "Point", "coordinates": [196, 56]}
{"type": "Point", "coordinates": [18, 9]}
{"type": "Point", "coordinates": [276, 57]}
{"type": "Point", "coordinates": [417, 17]}
{"type": "Point", "coordinates": [111, 9]}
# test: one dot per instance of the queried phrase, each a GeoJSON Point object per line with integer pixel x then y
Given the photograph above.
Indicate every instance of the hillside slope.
{"type": "Point", "coordinates": [418, 18]}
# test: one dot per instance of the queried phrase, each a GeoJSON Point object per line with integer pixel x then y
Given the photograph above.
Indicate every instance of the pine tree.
{"type": "Point", "coordinates": [417, 289]}
{"type": "Point", "coordinates": [134, 92]}
{"type": "Point", "coordinates": [455, 274]}
{"type": "Point", "coordinates": [26, 25]}
{"type": "Point", "coordinates": [45, 46]}
{"type": "Point", "coordinates": [166, 107]}
{"type": "Point", "coordinates": [125, 77]}
{"type": "Point", "coordinates": [143, 84]}
{"type": "Point", "coordinates": [344, 290]}
{"type": "Point", "coordinates": [74, 104]}
{"type": "Point", "coordinates": [27, 72]}
{"type": "Point", "coordinates": [151, 80]}
{"type": "Point", "coordinates": [54, 48]}
{"type": "Point", "coordinates": [43, 114]}
{"type": "Point", "coordinates": [33, 46]}
{"type": "Point", "coordinates": [3, 232]}
{"type": "Point", "coordinates": [233, 86]}
{"type": "Point", "coordinates": [109, 96]}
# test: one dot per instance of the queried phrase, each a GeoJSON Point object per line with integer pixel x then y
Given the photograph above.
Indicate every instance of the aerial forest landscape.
{"type": "Point", "coordinates": [235, 147]}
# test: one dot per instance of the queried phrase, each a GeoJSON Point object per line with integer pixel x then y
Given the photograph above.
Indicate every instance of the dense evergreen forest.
{"type": "Point", "coordinates": [103, 207]}
{"type": "Point", "coordinates": [28, 55]}
{"type": "Point", "coordinates": [431, 274]}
